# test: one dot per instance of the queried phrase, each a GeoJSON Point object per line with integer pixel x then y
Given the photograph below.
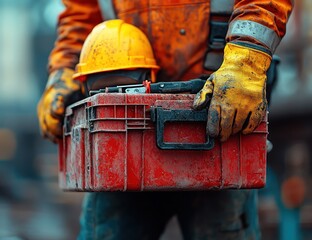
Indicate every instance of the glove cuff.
{"type": "Point", "coordinates": [241, 59]}
{"type": "Point", "coordinates": [252, 46]}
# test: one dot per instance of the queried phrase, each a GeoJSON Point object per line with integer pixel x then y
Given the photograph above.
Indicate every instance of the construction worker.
{"type": "Point", "coordinates": [188, 38]}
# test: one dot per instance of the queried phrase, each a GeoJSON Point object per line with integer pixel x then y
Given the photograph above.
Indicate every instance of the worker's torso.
{"type": "Point", "coordinates": [177, 29]}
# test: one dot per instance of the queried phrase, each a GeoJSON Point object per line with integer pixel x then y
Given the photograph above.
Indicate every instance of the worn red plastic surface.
{"type": "Point", "coordinates": [110, 145]}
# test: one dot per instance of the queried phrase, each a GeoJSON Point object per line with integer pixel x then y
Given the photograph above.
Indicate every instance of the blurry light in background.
{"type": "Point", "coordinates": [51, 12]}
{"type": "Point", "coordinates": [17, 84]}
{"type": "Point", "coordinates": [7, 144]}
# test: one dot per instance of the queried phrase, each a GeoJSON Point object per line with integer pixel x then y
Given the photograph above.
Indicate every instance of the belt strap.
{"type": "Point", "coordinates": [221, 7]}
{"type": "Point", "coordinates": [220, 13]}
{"type": "Point", "coordinates": [107, 9]}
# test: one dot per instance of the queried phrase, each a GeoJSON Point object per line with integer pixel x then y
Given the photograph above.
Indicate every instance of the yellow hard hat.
{"type": "Point", "coordinates": [115, 45]}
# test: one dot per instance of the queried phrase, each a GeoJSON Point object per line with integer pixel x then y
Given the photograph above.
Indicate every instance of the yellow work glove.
{"type": "Point", "coordinates": [61, 91]}
{"type": "Point", "coordinates": [236, 92]}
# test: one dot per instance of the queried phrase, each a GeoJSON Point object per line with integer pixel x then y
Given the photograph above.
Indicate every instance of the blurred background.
{"type": "Point", "coordinates": [31, 204]}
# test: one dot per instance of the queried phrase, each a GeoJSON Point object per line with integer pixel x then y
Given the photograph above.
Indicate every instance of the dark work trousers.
{"type": "Point", "coordinates": [226, 214]}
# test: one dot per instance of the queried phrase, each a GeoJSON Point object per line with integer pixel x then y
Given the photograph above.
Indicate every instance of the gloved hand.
{"type": "Point", "coordinates": [236, 92]}
{"type": "Point", "coordinates": [61, 91]}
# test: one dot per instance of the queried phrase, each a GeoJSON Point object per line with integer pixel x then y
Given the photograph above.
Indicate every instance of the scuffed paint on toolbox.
{"type": "Point", "coordinates": [110, 145]}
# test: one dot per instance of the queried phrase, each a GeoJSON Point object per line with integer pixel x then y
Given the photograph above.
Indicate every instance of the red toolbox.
{"type": "Point", "coordinates": [150, 142]}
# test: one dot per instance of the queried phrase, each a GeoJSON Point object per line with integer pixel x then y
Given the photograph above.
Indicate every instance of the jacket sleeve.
{"type": "Point", "coordinates": [261, 22]}
{"type": "Point", "coordinates": [74, 25]}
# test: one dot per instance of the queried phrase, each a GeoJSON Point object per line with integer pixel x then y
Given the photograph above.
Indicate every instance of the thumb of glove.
{"type": "Point", "coordinates": [58, 106]}
{"type": "Point", "coordinates": [203, 97]}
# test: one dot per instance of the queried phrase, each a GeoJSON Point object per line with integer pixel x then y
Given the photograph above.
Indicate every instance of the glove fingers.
{"type": "Point", "coordinates": [49, 121]}
{"type": "Point", "coordinates": [43, 125]}
{"type": "Point", "coordinates": [53, 126]}
{"type": "Point", "coordinates": [203, 97]}
{"type": "Point", "coordinates": [213, 122]}
{"type": "Point", "coordinates": [254, 118]}
{"type": "Point", "coordinates": [50, 136]}
{"type": "Point", "coordinates": [226, 124]}
{"type": "Point", "coordinates": [45, 132]}
{"type": "Point", "coordinates": [238, 122]}
{"type": "Point", "coordinates": [57, 106]}
{"type": "Point", "coordinates": [41, 111]}
{"type": "Point", "coordinates": [253, 122]}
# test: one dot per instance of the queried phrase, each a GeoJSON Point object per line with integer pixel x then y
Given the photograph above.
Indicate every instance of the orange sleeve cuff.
{"type": "Point", "coordinates": [272, 14]}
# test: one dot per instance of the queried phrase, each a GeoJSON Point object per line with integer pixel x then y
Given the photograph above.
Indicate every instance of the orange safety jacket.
{"type": "Point", "coordinates": [177, 29]}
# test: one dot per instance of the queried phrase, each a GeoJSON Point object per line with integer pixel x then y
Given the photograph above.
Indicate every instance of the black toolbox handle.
{"type": "Point", "coordinates": [160, 116]}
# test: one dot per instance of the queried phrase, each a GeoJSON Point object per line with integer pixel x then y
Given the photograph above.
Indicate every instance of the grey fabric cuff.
{"type": "Point", "coordinates": [257, 31]}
